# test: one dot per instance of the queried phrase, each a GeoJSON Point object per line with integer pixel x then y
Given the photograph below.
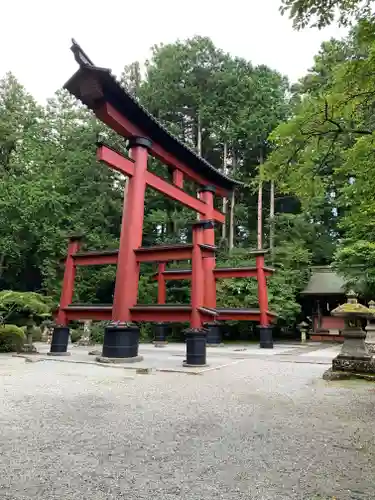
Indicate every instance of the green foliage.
{"type": "Point", "coordinates": [321, 13]}
{"type": "Point", "coordinates": [97, 331]}
{"type": "Point", "coordinates": [75, 334]}
{"type": "Point", "coordinates": [324, 155]}
{"type": "Point", "coordinates": [355, 261]}
{"type": "Point", "coordinates": [291, 261]}
{"type": "Point", "coordinates": [146, 333]}
{"type": "Point", "coordinates": [12, 338]}
{"type": "Point", "coordinates": [24, 305]}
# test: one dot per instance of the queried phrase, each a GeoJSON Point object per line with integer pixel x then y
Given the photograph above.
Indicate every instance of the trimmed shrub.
{"type": "Point", "coordinates": [75, 334]}
{"type": "Point", "coordinates": [97, 331]}
{"type": "Point", "coordinates": [12, 338]}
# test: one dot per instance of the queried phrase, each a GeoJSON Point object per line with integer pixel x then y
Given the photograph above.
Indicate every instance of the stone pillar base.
{"type": "Point", "coordinates": [195, 347]}
{"type": "Point", "coordinates": [158, 343]}
{"type": "Point", "coordinates": [60, 339]}
{"type": "Point", "coordinates": [187, 365]}
{"type": "Point", "coordinates": [58, 353]}
{"type": "Point", "coordinates": [213, 334]}
{"type": "Point", "coordinates": [161, 332]}
{"type": "Point", "coordinates": [121, 341]}
{"type": "Point", "coordinates": [265, 337]}
{"type": "Point", "coordinates": [353, 364]}
{"type": "Point", "coordinates": [103, 359]}
{"type": "Point", "coordinates": [29, 349]}
{"type": "Point", "coordinates": [331, 375]}
{"type": "Point", "coordinates": [95, 352]}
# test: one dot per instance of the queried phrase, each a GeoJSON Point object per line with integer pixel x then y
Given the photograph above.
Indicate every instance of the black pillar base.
{"type": "Point", "coordinates": [121, 342]}
{"type": "Point", "coordinates": [195, 347]}
{"type": "Point", "coordinates": [161, 332]}
{"type": "Point", "coordinates": [59, 342]}
{"type": "Point", "coordinates": [213, 334]}
{"type": "Point", "coordinates": [265, 336]}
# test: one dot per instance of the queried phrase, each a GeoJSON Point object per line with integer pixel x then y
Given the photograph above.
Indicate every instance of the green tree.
{"type": "Point", "coordinates": [321, 13]}
{"type": "Point", "coordinates": [325, 153]}
{"type": "Point", "coordinates": [24, 308]}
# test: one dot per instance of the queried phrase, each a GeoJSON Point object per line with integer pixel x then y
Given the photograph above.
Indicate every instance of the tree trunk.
{"type": "Point", "coordinates": [224, 226]}
{"type": "Point", "coordinates": [231, 224]}
{"type": "Point", "coordinates": [260, 204]}
{"type": "Point", "coordinates": [272, 219]}
{"type": "Point", "coordinates": [2, 267]}
{"type": "Point", "coordinates": [199, 134]}
{"type": "Point", "coordinates": [232, 203]}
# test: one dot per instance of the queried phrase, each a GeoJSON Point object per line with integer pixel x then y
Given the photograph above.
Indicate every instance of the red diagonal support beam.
{"type": "Point", "coordinates": [118, 162]}
{"type": "Point", "coordinates": [109, 115]}
{"type": "Point", "coordinates": [178, 194]}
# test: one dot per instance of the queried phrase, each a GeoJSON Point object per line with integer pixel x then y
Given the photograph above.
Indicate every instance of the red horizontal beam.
{"type": "Point", "coordinates": [245, 272]}
{"type": "Point", "coordinates": [178, 314]}
{"type": "Point", "coordinates": [243, 315]}
{"type": "Point", "coordinates": [98, 313]}
{"type": "Point", "coordinates": [175, 314]}
{"type": "Point", "coordinates": [160, 314]}
{"type": "Point", "coordinates": [219, 273]}
{"type": "Point", "coordinates": [118, 162]}
{"type": "Point", "coordinates": [114, 160]}
{"type": "Point", "coordinates": [165, 253]}
{"type": "Point", "coordinates": [96, 258]}
{"type": "Point", "coordinates": [109, 115]}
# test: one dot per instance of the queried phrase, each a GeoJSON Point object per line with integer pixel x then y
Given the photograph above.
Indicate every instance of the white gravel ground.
{"type": "Point", "coordinates": [256, 430]}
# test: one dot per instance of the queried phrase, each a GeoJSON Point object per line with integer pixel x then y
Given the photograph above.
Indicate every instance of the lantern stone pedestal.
{"type": "Point", "coordinates": [354, 359]}
{"type": "Point", "coordinates": [370, 329]}
{"type": "Point", "coordinates": [303, 328]}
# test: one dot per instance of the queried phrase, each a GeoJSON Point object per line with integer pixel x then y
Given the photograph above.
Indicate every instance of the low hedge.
{"type": "Point", "coordinates": [12, 338]}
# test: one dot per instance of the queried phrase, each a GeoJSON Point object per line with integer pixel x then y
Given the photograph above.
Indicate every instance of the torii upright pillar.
{"type": "Point", "coordinates": [121, 338]}
{"type": "Point", "coordinates": [209, 264]}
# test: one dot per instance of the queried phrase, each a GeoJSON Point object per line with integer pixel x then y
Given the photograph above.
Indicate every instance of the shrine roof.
{"type": "Point", "coordinates": [324, 281]}
{"type": "Point", "coordinates": [91, 81]}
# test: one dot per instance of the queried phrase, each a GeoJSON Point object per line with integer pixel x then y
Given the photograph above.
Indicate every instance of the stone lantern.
{"type": "Point", "coordinates": [370, 329]}
{"type": "Point", "coordinates": [354, 358]}
{"type": "Point", "coordinates": [303, 328]}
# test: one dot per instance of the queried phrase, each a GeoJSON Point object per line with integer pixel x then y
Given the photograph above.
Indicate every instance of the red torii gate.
{"type": "Point", "coordinates": [99, 90]}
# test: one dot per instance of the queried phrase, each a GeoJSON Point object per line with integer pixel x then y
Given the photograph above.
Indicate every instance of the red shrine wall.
{"type": "Point", "coordinates": [332, 327]}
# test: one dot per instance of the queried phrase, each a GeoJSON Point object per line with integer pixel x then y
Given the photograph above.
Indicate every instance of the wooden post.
{"type": "Point", "coordinates": [209, 263]}
{"type": "Point", "coordinates": [178, 178]}
{"type": "Point", "coordinates": [231, 223]}
{"type": "Point", "coordinates": [262, 291]}
{"type": "Point", "coordinates": [260, 204]}
{"type": "Point", "coordinates": [272, 219]}
{"type": "Point", "coordinates": [197, 275]}
{"type": "Point", "coordinates": [127, 276]}
{"type": "Point", "coordinates": [67, 291]}
{"type": "Point", "coordinates": [225, 201]}
{"type": "Point", "coordinates": [162, 291]}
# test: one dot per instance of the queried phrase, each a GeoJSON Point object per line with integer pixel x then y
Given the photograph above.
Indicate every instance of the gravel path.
{"type": "Point", "coordinates": [257, 430]}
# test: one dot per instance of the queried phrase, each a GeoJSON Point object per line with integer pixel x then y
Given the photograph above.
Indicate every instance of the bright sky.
{"type": "Point", "coordinates": [35, 35]}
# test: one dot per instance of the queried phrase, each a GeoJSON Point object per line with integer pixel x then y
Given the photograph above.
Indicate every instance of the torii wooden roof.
{"type": "Point", "coordinates": [94, 85]}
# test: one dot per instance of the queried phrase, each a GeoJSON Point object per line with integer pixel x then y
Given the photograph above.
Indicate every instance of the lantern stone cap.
{"type": "Point", "coordinates": [352, 308]}
{"type": "Point", "coordinates": [303, 324]}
